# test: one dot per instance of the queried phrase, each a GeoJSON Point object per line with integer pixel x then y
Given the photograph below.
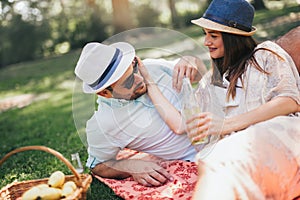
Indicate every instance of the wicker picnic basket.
{"type": "Point", "coordinates": [15, 190]}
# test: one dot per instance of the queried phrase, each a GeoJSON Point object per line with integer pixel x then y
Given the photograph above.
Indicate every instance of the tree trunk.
{"type": "Point", "coordinates": [121, 15]}
{"type": "Point", "coordinates": [259, 5]}
{"type": "Point", "coordinates": [174, 20]}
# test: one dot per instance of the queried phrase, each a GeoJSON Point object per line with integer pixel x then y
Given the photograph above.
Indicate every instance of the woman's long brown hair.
{"type": "Point", "coordinates": [238, 51]}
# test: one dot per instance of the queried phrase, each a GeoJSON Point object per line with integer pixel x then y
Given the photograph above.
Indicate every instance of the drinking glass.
{"type": "Point", "coordinates": [76, 162]}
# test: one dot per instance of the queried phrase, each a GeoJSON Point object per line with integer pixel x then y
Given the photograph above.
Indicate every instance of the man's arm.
{"type": "Point", "coordinates": [147, 173]}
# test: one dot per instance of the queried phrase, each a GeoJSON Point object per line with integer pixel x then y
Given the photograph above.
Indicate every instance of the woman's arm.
{"type": "Point", "coordinates": [208, 124]}
{"type": "Point", "coordinates": [167, 111]}
{"type": "Point", "coordinates": [277, 107]}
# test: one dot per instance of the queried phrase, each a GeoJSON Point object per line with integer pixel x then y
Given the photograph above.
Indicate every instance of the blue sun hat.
{"type": "Point", "coordinates": [230, 16]}
{"type": "Point", "coordinates": [101, 65]}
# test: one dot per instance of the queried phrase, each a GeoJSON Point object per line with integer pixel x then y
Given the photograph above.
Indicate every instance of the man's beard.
{"type": "Point", "coordinates": [136, 95]}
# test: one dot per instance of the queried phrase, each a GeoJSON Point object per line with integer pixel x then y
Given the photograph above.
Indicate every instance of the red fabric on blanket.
{"type": "Point", "coordinates": [185, 178]}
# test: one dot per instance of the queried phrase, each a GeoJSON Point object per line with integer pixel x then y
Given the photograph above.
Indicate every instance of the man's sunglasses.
{"type": "Point", "coordinates": [135, 65]}
{"type": "Point", "coordinates": [128, 83]}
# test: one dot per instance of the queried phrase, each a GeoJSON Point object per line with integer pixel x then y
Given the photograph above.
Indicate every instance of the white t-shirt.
{"type": "Point", "coordinates": [135, 124]}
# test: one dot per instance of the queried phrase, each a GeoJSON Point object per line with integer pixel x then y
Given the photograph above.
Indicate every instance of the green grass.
{"type": "Point", "coordinates": [49, 121]}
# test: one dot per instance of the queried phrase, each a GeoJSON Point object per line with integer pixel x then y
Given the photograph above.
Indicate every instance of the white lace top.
{"type": "Point", "coordinates": [259, 88]}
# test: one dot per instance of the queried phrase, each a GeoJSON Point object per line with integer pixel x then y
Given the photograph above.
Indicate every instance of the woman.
{"type": "Point", "coordinates": [254, 87]}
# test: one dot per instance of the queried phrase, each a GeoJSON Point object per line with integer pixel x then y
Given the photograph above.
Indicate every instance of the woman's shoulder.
{"type": "Point", "coordinates": [269, 48]}
{"type": "Point", "coordinates": [270, 45]}
{"type": "Point", "coordinates": [270, 52]}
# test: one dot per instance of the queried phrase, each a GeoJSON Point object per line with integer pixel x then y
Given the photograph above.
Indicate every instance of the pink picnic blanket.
{"type": "Point", "coordinates": [184, 174]}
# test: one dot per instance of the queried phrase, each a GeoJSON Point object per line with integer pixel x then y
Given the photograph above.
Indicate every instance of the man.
{"type": "Point", "coordinates": [137, 109]}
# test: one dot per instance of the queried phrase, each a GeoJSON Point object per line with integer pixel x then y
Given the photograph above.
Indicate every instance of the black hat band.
{"type": "Point", "coordinates": [225, 22]}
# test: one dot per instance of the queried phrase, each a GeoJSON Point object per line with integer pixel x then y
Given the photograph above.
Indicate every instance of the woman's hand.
{"type": "Point", "coordinates": [143, 71]}
{"type": "Point", "coordinates": [204, 124]}
{"type": "Point", "coordinates": [188, 66]}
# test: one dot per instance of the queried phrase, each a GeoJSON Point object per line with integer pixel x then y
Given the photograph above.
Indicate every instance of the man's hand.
{"type": "Point", "coordinates": [188, 66]}
{"type": "Point", "coordinates": [147, 173]}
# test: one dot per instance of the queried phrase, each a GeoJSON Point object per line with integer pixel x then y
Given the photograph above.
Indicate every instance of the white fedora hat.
{"type": "Point", "coordinates": [101, 65]}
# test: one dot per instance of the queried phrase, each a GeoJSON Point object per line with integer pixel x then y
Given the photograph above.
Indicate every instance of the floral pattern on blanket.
{"type": "Point", "coordinates": [185, 178]}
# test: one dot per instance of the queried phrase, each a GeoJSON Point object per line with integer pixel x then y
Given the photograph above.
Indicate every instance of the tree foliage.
{"type": "Point", "coordinates": [31, 29]}
{"type": "Point", "coordinates": [23, 39]}
{"type": "Point", "coordinates": [147, 16]}
{"type": "Point", "coordinates": [21, 35]}
{"type": "Point", "coordinates": [259, 4]}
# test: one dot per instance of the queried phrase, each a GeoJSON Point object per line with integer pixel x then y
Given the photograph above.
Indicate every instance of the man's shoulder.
{"type": "Point", "coordinates": [160, 62]}
{"type": "Point", "coordinates": [159, 67]}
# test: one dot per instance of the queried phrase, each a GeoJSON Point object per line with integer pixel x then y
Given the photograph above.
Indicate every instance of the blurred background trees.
{"type": "Point", "coordinates": [31, 29]}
